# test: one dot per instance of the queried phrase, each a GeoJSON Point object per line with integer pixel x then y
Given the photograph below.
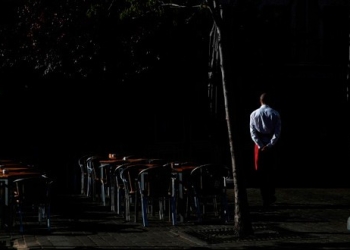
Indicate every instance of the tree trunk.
{"type": "Point", "coordinates": [242, 221]}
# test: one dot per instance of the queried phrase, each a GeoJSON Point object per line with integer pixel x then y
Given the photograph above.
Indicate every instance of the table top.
{"type": "Point", "coordinates": [184, 168]}
{"type": "Point", "coordinates": [14, 165]}
{"type": "Point", "coordinates": [19, 174]}
{"type": "Point", "coordinates": [117, 161]}
{"type": "Point", "coordinates": [113, 161]}
{"type": "Point", "coordinates": [143, 165]}
{"type": "Point", "coordinates": [17, 169]}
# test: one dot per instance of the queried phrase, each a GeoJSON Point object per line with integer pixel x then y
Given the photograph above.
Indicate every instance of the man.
{"type": "Point", "coordinates": [265, 130]}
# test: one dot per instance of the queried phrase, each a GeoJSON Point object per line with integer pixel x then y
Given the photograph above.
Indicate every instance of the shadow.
{"type": "Point", "coordinates": [262, 232]}
{"type": "Point", "coordinates": [67, 228]}
{"type": "Point", "coordinates": [94, 228]}
{"type": "Point", "coordinates": [293, 213]}
{"type": "Point", "coordinates": [266, 226]}
{"type": "Point", "coordinates": [301, 246]}
{"type": "Point", "coordinates": [79, 216]}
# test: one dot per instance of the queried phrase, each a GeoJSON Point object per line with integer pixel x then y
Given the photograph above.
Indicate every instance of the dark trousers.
{"type": "Point", "coordinates": [265, 170]}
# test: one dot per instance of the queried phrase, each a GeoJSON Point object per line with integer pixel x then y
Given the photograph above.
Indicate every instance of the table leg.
{"type": "Point", "coordinates": [103, 197]}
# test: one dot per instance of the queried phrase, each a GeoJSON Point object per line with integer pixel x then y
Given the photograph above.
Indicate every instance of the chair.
{"type": "Point", "coordinates": [208, 183]}
{"type": "Point", "coordinates": [94, 182]}
{"type": "Point", "coordinates": [116, 184]}
{"type": "Point", "coordinates": [83, 174]}
{"type": "Point", "coordinates": [105, 175]}
{"type": "Point", "coordinates": [4, 211]}
{"type": "Point", "coordinates": [129, 177]}
{"type": "Point", "coordinates": [184, 193]}
{"type": "Point", "coordinates": [157, 184]}
{"type": "Point", "coordinates": [33, 195]}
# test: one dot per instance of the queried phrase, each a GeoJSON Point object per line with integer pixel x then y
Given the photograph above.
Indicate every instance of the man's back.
{"type": "Point", "coordinates": [265, 125]}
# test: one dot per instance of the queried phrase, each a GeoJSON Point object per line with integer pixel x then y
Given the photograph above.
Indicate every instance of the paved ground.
{"type": "Point", "coordinates": [303, 218]}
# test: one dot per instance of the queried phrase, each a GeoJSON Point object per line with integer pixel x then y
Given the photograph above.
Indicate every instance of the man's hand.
{"type": "Point", "coordinates": [265, 148]}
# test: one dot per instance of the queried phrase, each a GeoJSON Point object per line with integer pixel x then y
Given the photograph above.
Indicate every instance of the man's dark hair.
{"type": "Point", "coordinates": [265, 98]}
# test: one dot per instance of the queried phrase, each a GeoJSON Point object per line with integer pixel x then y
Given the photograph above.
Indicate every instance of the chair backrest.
{"type": "Point", "coordinates": [82, 163]}
{"type": "Point", "coordinates": [33, 190]}
{"type": "Point", "coordinates": [118, 173]}
{"type": "Point", "coordinates": [129, 175]}
{"type": "Point", "coordinates": [156, 181]}
{"type": "Point", "coordinates": [209, 179]}
{"type": "Point", "coordinates": [92, 164]}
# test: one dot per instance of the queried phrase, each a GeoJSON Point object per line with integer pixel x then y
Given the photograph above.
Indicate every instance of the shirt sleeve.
{"type": "Point", "coordinates": [277, 131]}
{"type": "Point", "coordinates": [253, 131]}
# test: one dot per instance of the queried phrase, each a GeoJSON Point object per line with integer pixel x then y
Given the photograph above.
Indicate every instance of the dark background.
{"type": "Point", "coordinates": [299, 52]}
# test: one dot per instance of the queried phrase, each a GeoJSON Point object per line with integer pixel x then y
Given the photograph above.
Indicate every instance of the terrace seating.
{"type": "Point", "coordinates": [208, 184]}
{"type": "Point", "coordinates": [156, 185]}
{"type": "Point", "coordinates": [33, 195]}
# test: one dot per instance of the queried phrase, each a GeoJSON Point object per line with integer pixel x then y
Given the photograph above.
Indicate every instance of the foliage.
{"type": "Point", "coordinates": [87, 39]}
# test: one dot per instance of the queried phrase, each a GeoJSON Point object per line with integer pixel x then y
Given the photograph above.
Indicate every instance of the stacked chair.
{"type": "Point", "coordinates": [94, 181]}
{"type": "Point", "coordinates": [32, 196]}
{"type": "Point", "coordinates": [83, 174]}
{"type": "Point", "coordinates": [129, 176]}
{"type": "Point", "coordinates": [156, 187]}
{"type": "Point", "coordinates": [208, 185]}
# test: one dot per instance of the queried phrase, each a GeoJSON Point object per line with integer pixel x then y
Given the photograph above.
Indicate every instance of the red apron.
{"type": "Point", "coordinates": [256, 156]}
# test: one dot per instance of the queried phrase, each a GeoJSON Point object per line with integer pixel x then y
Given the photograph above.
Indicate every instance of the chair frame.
{"type": "Point", "coordinates": [83, 174]}
{"type": "Point", "coordinates": [118, 185]}
{"type": "Point", "coordinates": [43, 205]}
{"type": "Point", "coordinates": [157, 183]}
{"type": "Point", "coordinates": [94, 178]}
{"type": "Point", "coordinates": [216, 174]}
{"type": "Point", "coordinates": [129, 176]}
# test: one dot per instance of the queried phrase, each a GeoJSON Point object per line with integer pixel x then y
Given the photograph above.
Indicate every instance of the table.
{"type": "Point", "coordinates": [6, 180]}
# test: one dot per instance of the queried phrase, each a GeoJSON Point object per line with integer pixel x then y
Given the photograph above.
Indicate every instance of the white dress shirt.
{"type": "Point", "coordinates": [265, 126]}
